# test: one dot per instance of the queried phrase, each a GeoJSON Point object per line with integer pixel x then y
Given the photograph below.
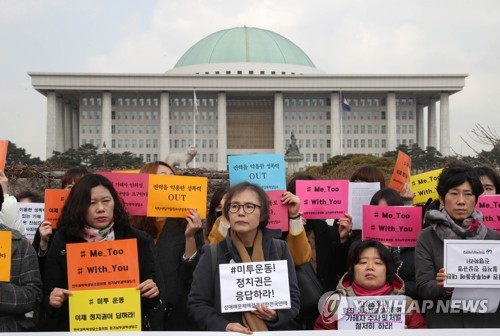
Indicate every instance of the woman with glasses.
{"type": "Point", "coordinates": [247, 209]}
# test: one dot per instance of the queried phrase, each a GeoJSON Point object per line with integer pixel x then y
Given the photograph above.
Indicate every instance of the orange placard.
{"type": "Point", "coordinates": [132, 171]}
{"type": "Point", "coordinates": [5, 255]}
{"type": "Point", "coordinates": [54, 202]}
{"type": "Point", "coordinates": [100, 265]}
{"type": "Point", "coordinates": [174, 196]}
{"type": "Point", "coordinates": [401, 174]}
{"type": "Point", "coordinates": [4, 144]}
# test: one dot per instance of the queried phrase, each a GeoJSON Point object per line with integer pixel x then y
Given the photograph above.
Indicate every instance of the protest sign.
{"type": "Point", "coordinates": [489, 205]}
{"type": "Point", "coordinates": [243, 285]}
{"type": "Point", "coordinates": [372, 312]}
{"type": "Point", "coordinates": [360, 193]}
{"type": "Point", "coordinates": [32, 215]}
{"type": "Point", "coordinates": [54, 202]}
{"type": "Point", "coordinates": [4, 144]}
{"type": "Point", "coordinates": [5, 255]}
{"type": "Point", "coordinates": [106, 264]}
{"type": "Point", "coordinates": [323, 199]}
{"type": "Point", "coordinates": [266, 170]}
{"type": "Point", "coordinates": [133, 189]}
{"type": "Point", "coordinates": [105, 310]}
{"type": "Point", "coordinates": [472, 263]}
{"type": "Point", "coordinates": [424, 186]}
{"type": "Point", "coordinates": [278, 212]}
{"type": "Point", "coordinates": [401, 173]}
{"type": "Point", "coordinates": [394, 225]}
{"type": "Point", "coordinates": [174, 196]}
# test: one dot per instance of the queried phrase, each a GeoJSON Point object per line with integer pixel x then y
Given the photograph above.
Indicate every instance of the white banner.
{"type": "Point", "coordinates": [372, 312]}
{"type": "Point", "coordinates": [472, 263]}
{"type": "Point", "coordinates": [244, 285]}
{"type": "Point", "coordinates": [32, 215]}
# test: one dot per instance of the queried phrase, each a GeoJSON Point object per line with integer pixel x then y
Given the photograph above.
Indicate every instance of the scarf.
{"type": "Point", "coordinates": [250, 320]}
{"type": "Point", "coordinates": [446, 228]}
{"type": "Point", "coordinates": [361, 291]}
{"type": "Point", "coordinates": [91, 234]}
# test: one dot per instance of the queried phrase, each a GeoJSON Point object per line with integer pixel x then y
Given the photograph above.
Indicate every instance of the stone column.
{"type": "Point", "coordinates": [420, 126]}
{"type": "Point", "coordinates": [106, 120]}
{"type": "Point", "coordinates": [392, 136]}
{"type": "Point", "coordinates": [164, 125]}
{"type": "Point", "coordinates": [59, 124]}
{"type": "Point", "coordinates": [221, 132]}
{"type": "Point", "coordinates": [51, 123]}
{"type": "Point", "coordinates": [444, 118]}
{"type": "Point", "coordinates": [67, 127]}
{"type": "Point", "coordinates": [279, 137]}
{"type": "Point", "coordinates": [75, 122]}
{"type": "Point", "coordinates": [335, 125]}
{"type": "Point", "coordinates": [431, 124]}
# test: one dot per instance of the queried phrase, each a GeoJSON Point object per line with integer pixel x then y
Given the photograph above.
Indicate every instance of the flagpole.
{"type": "Point", "coordinates": [341, 108]}
{"type": "Point", "coordinates": [195, 110]}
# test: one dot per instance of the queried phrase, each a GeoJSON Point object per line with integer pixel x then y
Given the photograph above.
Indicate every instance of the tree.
{"type": "Point", "coordinates": [17, 155]}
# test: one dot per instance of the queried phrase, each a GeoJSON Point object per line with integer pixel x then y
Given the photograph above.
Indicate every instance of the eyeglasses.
{"type": "Point", "coordinates": [248, 208]}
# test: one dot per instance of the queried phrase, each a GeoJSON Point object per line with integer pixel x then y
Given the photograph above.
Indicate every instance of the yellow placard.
{"type": "Point", "coordinates": [424, 186]}
{"type": "Point", "coordinates": [5, 255]}
{"type": "Point", "coordinates": [130, 171]}
{"type": "Point", "coordinates": [105, 310]}
{"type": "Point", "coordinates": [174, 196]}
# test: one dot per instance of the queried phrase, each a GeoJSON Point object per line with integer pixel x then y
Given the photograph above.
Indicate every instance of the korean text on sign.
{"type": "Point", "coordinates": [32, 215]}
{"type": "Point", "coordinates": [174, 196]}
{"type": "Point", "coordinates": [133, 190]}
{"type": "Point", "coordinates": [105, 310]}
{"type": "Point", "coordinates": [401, 173]}
{"type": "Point", "coordinates": [54, 202]}
{"type": "Point", "coordinates": [472, 263]}
{"type": "Point", "coordinates": [372, 312]}
{"type": "Point", "coordinates": [394, 225]}
{"type": "Point", "coordinates": [322, 199]}
{"type": "Point", "coordinates": [107, 264]}
{"type": "Point", "coordinates": [278, 212]}
{"type": "Point", "coordinates": [5, 255]}
{"type": "Point", "coordinates": [266, 170]}
{"type": "Point", "coordinates": [243, 285]}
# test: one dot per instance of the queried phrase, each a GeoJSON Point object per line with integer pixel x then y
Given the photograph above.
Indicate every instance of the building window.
{"type": "Point", "coordinates": [382, 115]}
{"type": "Point", "coordinates": [411, 115]}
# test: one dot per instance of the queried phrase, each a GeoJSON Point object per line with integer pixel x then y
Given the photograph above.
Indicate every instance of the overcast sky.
{"type": "Point", "coordinates": [340, 37]}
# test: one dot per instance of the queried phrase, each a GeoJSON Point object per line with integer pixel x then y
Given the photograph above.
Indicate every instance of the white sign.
{"type": "Point", "coordinates": [472, 263]}
{"type": "Point", "coordinates": [32, 215]}
{"type": "Point", "coordinates": [371, 312]}
{"type": "Point", "coordinates": [360, 193]}
{"type": "Point", "coordinates": [244, 285]}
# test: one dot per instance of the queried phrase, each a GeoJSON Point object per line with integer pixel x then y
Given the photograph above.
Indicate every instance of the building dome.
{"type": "Point", "coordinates": [251, 50]}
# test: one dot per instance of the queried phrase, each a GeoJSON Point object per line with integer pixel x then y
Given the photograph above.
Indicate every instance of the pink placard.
{"type": "Point", "coordinates": [278, 213]}
{"type": "Point", "coordinates": [323, 199]}
{"type": "Point", "coordinates": [133, 189]}
{"type": "Point", "coordinates": [394, 225]}
{"type": "Point", "coordinates": [489, 205]}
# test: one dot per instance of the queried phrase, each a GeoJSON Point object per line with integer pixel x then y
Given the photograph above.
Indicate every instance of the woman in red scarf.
{"type": "Point", "coordinates": [371, 272]}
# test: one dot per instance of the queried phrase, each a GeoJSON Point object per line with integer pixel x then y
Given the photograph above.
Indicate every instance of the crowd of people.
{"type": "Point", "coordinates": [179, 258]}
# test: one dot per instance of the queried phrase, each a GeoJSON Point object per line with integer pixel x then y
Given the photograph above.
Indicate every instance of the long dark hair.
{"type": "Point", "coordinates": [72, 220]}
{"type": "Point", "coordinates": [214, 202]}
{"type": "Point", "coordinates": [263, 199]}
{"type": "Point", "coordinates": [491, 174]}
{"type": "Point", "coordinates": [383, 252]}
{"type": "Point", "coordinates": [391, 197]}
{"type": "Point", "coordinates": [72, 175]}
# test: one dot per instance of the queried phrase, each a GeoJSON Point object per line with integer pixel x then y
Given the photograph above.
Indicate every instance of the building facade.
{"type": "Point", "coordinates": [241, 91]}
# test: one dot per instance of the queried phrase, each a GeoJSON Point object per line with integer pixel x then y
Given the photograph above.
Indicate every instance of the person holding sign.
{"type": "Point", "coordinates": [371, 272]}
{"type": "Point", "coordinates": [404, 257]}
{"type": "Point", "coordinates": [45, 232]}
{"type": "Point", "coordinates": [21, 289]}
{"type": "Point", "coordinates": [9, 215]}
{"type": "Point", "coordinates": [93, 212]}
{"type": "Point", "coordinates": [458, 188]}
{"type": "Point", "coordinates": [248, 240]}
{"type": "Point", "coordinates": [176, 245]}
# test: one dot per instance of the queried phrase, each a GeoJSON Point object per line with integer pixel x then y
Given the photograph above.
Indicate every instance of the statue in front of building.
{"type": "Point", "coordinates": [181, 160]}
{"type": "Point", "coordinates": [293, 149]}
